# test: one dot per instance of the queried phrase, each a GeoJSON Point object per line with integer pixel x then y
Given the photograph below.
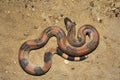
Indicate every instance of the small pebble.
{"type": "Point", "coordinates": [56, 21]}
{"type": "Point", "coordinates": [99, 20]}
{"type": "Point", "coordinates": [50, 17]}
{"type": "Point", "coordinates": [36, 27]}
{"type": "Point", "coordinates": [72, 68]}
{"type": "Point", "coordinates": [14, 72]}
{"type": "Point", "coordinates": [92, 4]}
{"type": "Point", "coordinates": [65, 4]}
{"type": "Point", "coordinates": [61, 15]}
{"type": "Point", "coordinates": [28, 15]}
{"type": "Point", "coordinates": [26, 34]}
{"type": "Point", "coordinates": [6, 71]}
{"type": "Point", "coordinates": [32, 6]}
{"type": "Point", "coordinates": [66, 61]}
{"type": "Point", "coordinates": [116, 14]}
{"type": "Point", "coordinates": [14, 62]}
{"type": "Point", "coordinates": [33, 9]}
{"type": "Point", "coordinates": [44, 19]}
{"type": "Point", "coordinates": [104, 37]}
{"type": "Point", "coordinates": [26, 6]}
{"type": "Point", "coordinates": [112, 4]}
{"type": "Point", "coordinates": [8, 12]}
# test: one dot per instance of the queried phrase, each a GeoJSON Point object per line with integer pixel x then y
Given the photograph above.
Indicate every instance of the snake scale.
{"type": "Point", "coordinates": [69, 47]}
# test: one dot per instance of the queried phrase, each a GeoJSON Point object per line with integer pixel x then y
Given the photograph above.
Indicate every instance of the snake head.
{"type": "Point", "coordinates": [68, 23]}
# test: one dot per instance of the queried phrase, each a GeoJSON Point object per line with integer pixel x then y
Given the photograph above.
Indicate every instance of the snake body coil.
{"type": "Point", "coordinates": [69, 47]}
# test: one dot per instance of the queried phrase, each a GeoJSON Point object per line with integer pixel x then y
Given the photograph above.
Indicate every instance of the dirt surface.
{"type": "Point", "coordinates": [22, 20]}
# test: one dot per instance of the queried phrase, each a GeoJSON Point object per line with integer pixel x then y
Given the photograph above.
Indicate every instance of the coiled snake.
{"type": "Point", "coordinates": [69, 47]}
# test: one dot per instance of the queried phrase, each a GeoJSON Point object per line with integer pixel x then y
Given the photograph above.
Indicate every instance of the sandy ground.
{"type": "Point", "coordinates": [22, 20]}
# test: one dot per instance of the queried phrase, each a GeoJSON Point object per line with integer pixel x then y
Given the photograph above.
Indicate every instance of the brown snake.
{"type": "Point", "coordinates": [69, 47]}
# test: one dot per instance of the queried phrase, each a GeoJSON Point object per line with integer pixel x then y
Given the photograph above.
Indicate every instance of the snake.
{"type": "Point", "coordinates": [71, 46]}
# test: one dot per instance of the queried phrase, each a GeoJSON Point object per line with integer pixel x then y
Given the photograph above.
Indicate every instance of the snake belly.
{"type": "Point", "coordinates": [68, 47]}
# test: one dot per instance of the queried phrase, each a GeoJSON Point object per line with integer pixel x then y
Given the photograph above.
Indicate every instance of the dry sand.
{"type": "Point", "coordinates": [22, 20]}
